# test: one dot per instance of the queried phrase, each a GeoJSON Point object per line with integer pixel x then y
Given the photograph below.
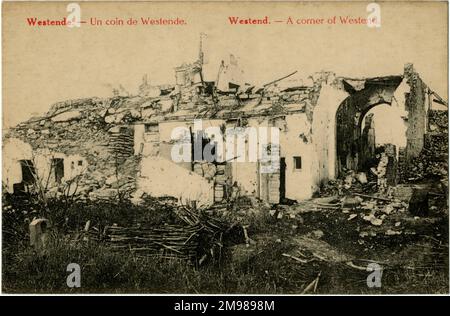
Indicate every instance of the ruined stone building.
{"type": "Point", "coordinates": [121, 146]}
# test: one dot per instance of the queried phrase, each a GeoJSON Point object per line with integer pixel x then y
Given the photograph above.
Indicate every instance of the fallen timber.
{"type": "Point", "coordinates": [199, 235]}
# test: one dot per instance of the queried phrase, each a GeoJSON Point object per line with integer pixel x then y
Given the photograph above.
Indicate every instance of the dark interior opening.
{"type": "Point", "coordinates": [28, 171]}
{"type": "Point", "coordinates": [282, 179]}
{"type": "Point", "coordinates": [58, 167]}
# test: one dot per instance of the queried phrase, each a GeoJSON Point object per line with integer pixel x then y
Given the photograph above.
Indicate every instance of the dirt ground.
{"type": "Point", "coordinates": [334, 239]}
{"type": "Point", "coordinates": [350, 239]}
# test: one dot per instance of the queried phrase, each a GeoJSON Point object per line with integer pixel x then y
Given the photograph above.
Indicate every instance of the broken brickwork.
{"type": "Point", "coordinates": [111, 141]}
{"type": "Point", "coordinates": [81, 128]}
{"type": "Point", "coordinates": [415, 105]}
{"type": "Point", "coordinates": [364, 95]}
{"type": "Point", "coordinates": [432, 162]}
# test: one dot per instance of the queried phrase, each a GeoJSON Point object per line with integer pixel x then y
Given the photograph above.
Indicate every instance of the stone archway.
{"type": "Point", "coordinates": [364, 95]}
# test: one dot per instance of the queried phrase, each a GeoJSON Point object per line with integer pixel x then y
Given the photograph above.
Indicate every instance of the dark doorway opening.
{"type": "Point", "coordinates": [203, 148]}
{"type": "Point", "coordinates": [282, 179]}
{"type": "Point", "coordinates": [28, 171]}
{"type": "Point", "coordinates": [58, 167]}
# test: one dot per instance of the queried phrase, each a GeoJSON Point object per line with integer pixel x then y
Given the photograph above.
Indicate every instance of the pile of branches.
{"type": "Point", "coordinates": [197, 238]}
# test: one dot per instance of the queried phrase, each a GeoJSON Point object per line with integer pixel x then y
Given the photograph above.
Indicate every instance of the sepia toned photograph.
{"type": "Point", "coordinates": [225, 147]}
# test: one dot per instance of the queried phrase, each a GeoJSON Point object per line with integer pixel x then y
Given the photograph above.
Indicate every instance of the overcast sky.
{"type": "Point", "coordinates": [49, 64]}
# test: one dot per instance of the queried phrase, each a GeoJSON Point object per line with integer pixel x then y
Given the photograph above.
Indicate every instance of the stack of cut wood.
{"type": "Point", "coordinates": [121, 144]}
{"type": "Point", "coordinates": [165, 242]}
{"type": "Point", "coordinates": [190, 241]}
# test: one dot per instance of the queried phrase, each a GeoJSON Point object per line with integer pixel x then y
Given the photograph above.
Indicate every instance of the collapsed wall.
{"type": "Point", "coordinates": [107, 132]}
{"type": "Point", "coordinates": [415, 104]}
{"type": "Point", "coordinates": [105, 144]}
{"type": "Point", "coordinates": [432, 162]}
{"type": "Point", "coordinates": [77, 135]}
{"type": "Point", "coordinates": [289, 108]}
{"type": "Point", "coordinates": [407, 92]}
{"type": "Point", "coordinates": [184, 185]}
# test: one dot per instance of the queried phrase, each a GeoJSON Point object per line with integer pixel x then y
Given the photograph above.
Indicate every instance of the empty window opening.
{"type": "Point", "coordinates": [297, 163]}
{"type": "Point", "coordinates": [151, 128]}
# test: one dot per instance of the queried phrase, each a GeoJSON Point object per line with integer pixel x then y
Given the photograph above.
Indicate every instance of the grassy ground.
{"type": "Point", "coordinates": [412, 264]}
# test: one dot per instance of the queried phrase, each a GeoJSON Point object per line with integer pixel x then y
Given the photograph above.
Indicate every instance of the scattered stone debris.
{"type": "Point", "coordinates": [98, 137]}
{"type": "Point", "coordinates": [433, 160]}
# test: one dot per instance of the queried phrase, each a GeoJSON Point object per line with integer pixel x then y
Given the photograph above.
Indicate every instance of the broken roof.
{"type": "Point", "coordinates": [352, 85]}
{"type": "Point", "coordinates": [248, 101]}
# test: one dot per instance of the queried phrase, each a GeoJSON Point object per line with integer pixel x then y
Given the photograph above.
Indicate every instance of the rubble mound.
{"type": "Point", "coordinates": [432, 163]}
{"type": "Point", "coordinates": [93, 128]}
